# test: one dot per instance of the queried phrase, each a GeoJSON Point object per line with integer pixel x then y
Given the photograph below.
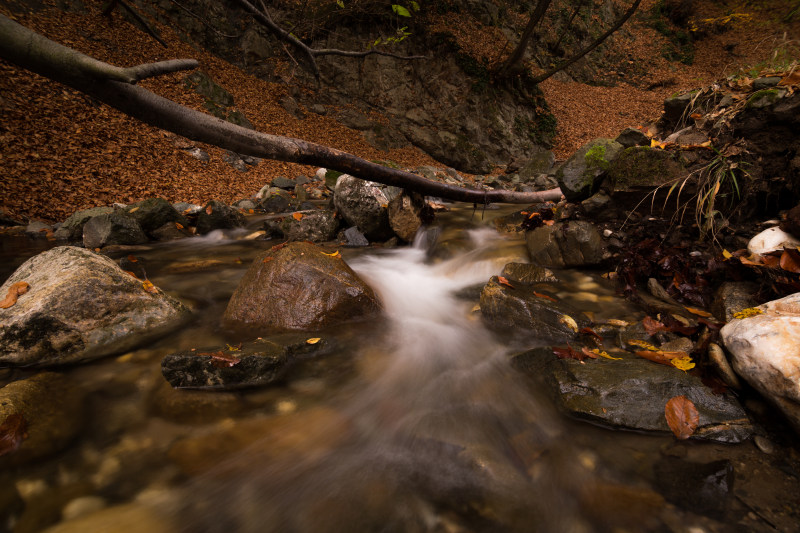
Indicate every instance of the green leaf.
{"type": "Point", "coordinates": [414, 5]}
{"type": "Point", "coordinates": [340, 3]}
{"type": "Point", "coordinates": [400, 10]}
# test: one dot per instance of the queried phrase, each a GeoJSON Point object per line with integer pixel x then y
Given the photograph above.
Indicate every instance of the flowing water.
{"type": "Point", "coordinates": [412, 422]}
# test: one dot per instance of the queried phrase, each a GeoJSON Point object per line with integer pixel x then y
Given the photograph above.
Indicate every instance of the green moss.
{"type": "Point", "coordinates": [596, 158]}
{"type": "Point", "coordinates": [763, 98]}
{"type": "Point", "coordinates": [641, 165]}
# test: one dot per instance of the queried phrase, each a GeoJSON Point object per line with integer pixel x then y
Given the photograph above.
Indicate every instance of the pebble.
{"type": "Point", "coordinates": [720, 362]}
{"type": "Point", "coordinates": [764, 444]}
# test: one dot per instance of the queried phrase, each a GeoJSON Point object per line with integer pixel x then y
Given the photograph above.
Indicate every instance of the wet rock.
{"type": "Point", "coordinates": [299, 287]}
{"type": "Point", "coordinates": [170, 231]}
{"type": "Point", "coordinates": [632, 137]}
{"type": "Point", "coordinates": [364, 204]}
{"type": "Point", "coordinates": [765, 351]}
{"type": "Point", "coordinates": [114, 228]}
{"type": "Point", "coordinates": [52, 409]}
{"type": "Point", "coordinates": [566, 244]}
{"type": "Point", "coordinates": [256, 364]}
{"type": "Point", "coordinates": [355, 238]}
{"type": "Point", "coordinates": [596, 204]}
{"type": "Point", "coordinates": [771, 240]}
{"type": "Point", "coordinates": [130, 517]}
{"type": "Point", "coordinates": [282, 182]}
{"type": "Point", "coordinates": [732, 297]}
{"type": "Point", "coordinates": [675, 106]}
{"type": "Point", "coordinates": [72, 228]}
{"type": "Point", "coordinates": [631, 393]}
{"type": "Point", "coordinates": [275, 200]}
{"type": "Point", "coordinates": [523, 312]}
{"type": "Point", "coordinates": [405, 215]}
{"type": "Point", "coordinates": [527, 273]}
{"type": "Point", "coordinates": [80, 306]}
{"type": "Point", "coordinates": [217, 215]}
{"type": "Point", "coordinates": [154, 213]}
{"type": "Point", "coordinates": [703, 488]}
{"type": "Point", "coordinates": [37, 228]}
{"type": "Point", "coordinates": [581, 175]}
{"type": "Point", "coordinates": [716, 356]}
{"type": "Point", "coordinates": [315, 225]}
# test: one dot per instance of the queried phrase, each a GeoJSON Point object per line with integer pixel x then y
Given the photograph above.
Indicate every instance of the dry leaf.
{"type": "Point", "coordinates": [267, 259]}
{"type": "Point", "coordinates": [682, 416]}
{"type": "Point", "coordinates": [14, 291]}
{"type": "Point", "coordinates": [656, 357]}
{"type": "Point", "coordinates": [132, 259]}
{"type": "Point", "coordinates": [504, 281]}
{"type": "Point", "coordinates": [221, 360]}
{"type": "Point", "coordinates": [313, 340]}
{"type": "Point", "coordinates": [683, 363]}
{"type": "Point", "coordinates": [747, 313]}
{"type": "Point", "coordinates": [335, 254]}
{"type": "Point", "coordinates": [297, 216]}
{"type": "Point", "coordinates": [134, 209]}
{"type": "Point", "coordinates": [653, 326]}
{"type": "Point", "coordinates": [699, 312]}
{"type": "Point", "coordinates": [545, 296]}
{"type": "Point", "coordinates": [179, 225]}
{"type": "Point", "coordinates": [569, 322]}
{"type": "Point", "coordinates": [13, 431]}
{"type": "Point", "coordinates": [790, 261]}
{"type": "Point", "coordinates": [149, 287]}
{"type": "Point", "coordinates": [209, 210]}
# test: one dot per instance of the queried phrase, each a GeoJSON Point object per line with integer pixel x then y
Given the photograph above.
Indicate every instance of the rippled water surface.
{"type": "Point", "coordinates": [412, 422]}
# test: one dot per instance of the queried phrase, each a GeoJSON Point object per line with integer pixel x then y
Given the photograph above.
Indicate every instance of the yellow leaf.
{"type": "Point", "coordinates": [726, 254]}
{"type": "Point", "coordinates": [149, 287]}
{"type": "Point", "coordinates": [747, 313]}
{"type": "Point", "coordinates": [313, 340]}
{"type": "Point", "coordinates": [601, 353]}
{"type": "Point", "coordinates": [654, 143]}
{"type": "Point", "coordinates": [134, 209]}
{"type": "Point", "coordinates": [569, 322]}
{"type": "Point", "coordinates": [297, 216]}
{"type": "Point", "coordinates": [642, 344]}
{"type": "Point", "coordinates": [683, 363]}
{"type": "Point", "coordinates": [617, 323]}
{"type": "Point", "coordinates": [335, 254]}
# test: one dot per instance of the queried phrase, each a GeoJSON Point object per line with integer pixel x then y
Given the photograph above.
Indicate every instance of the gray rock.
{"type": "Point", "coordinates": [255, 364]}
{"type": "Point", "coordinates": [364, 204]}
{"type": "Point", "coordinates": [235, 160]}
{"type": "Point", "coordinates": [299, 288]}
{"type": "Point", "coordinates": [766, 82]}
{"type": "Point", "coordinates": [114, 228]}
{"type": "Point", "coordinates": [675, 106]}
{"type": "Point", "coordinates": [72, 228]}
{"type": "Point", "coordinates": [170, 232]}
{"type": "Point", "coordinates": [632, 393]}
{"type": "Point", "coordinates": [51, 407]}
{"type": "Point", "coordinates": [291, 106]}
{"type": "Point", "coordinates": [405, 215]}
{"type": "Point", "coordinates": [37, 229]}
{"type": "Point", "coordinates": [355, 238]}
{"type": "Point", "coordinates": [540, 161]}
{"type": "Point", "coordinates": [217, 215]}
{"type": "Point", "coordinates": [566, 244]}
{"type": "Point", "coordinates": [765, 351]}
{"type": "Point", "coordinates": [582, 174]}
{"type": "Point", "coordinates": [319, 109]}
{"type": "Point", "coordinates": [198, 153]}
{"type": "Point", "coordinates": [314, 225]}
{"type": "Point", "coordinates": [632, 137]}
{"type": "Point", "coordinates": [642, 166]}
{"type": "Point", "coordinates": [527, 273]}
{"type": "Point", "coordinates": [596, 204]}
{"type": "Point", "coordinates": [245, 205]}
{"type": "Point", "coordinates": [275, 201]}
{"type": "Point", "coordinates": [80, 306]}
{"type": "Point", "coordinates": [153, 213]}
{"type": "Point", "coordinates": [732, 297]}
{"type": "Point", "coordinates": [201, 83]}
{"type": "Point", "coordinates": [283, 182]}
{"type": "Point", "coordinates": [522, 312]}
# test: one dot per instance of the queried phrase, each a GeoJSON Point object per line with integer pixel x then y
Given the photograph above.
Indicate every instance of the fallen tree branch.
{"type": "Point", "coordinates": [48, 58]}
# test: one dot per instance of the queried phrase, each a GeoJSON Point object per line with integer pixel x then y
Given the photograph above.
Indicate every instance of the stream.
{"type": "Point", "coordinates": [413, 422]}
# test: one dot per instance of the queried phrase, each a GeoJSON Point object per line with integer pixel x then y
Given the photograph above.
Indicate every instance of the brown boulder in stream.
{"type": "Point", "coordinates": [299, 287]}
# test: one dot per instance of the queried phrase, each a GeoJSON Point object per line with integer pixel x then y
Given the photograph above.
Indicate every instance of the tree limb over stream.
{"type": "Point", "coordinates": [116, 87]}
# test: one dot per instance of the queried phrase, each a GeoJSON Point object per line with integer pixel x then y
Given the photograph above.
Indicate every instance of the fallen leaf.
{"type": "Point", "coordinates": [654, 356]}
{"type": "Point", "coordinates": [569, 322]}
{"type": "Point", "coordinates": [267, 259]}
{"type": "Point", "coordinates": [504, 281]}
{"type": "Point", "coordinates": [726, 254]}
{"type": "Point", "coordinates": [335, 254]}
{"type": "Point", "coordinates": [748, 312]}
{"type": "Point", "coordinates": [313, 340]}
{"type": "Point", "coordinates": [591, 354]}
{"type": "Point", "coordinates": [545, 296]}
{"type": "Point", "coordinates": [698, 312]}
{"type": "Point", "coordinates": [297, 216]}
{"type": "Point", "coordinates": [682, 416]}
{"type": "Point", "coordinates": [179, 225]}
{"type": "Point", "coordinates": [148, 286]}
{"type": "Point", "coordinates": [602, 353]}
{"type": "Point", "coordinates": [790, 261]}
{"type": "Point", "coordinates": [683, 363]}
{"type": "Point", "coordinates": [618, 323]}
{"type": "Point", "coordinates": [221, 360]}
{"type": "Point", "coordinates": [570, 353]}
{"type": "Point", "coordinates": [132, 259]}
{"type": "Point", "coordinates": [653, 326]}
{"type": "Point", "coordinates": [642, 344]}
{"type": "Point", "coordinates": [132, 274]}
{"type": "Point", "coordinates": [14, 292]}
{"type": "Point", "coordinates": [209, 210]}
{"type": "Point", "coordinates": [13, 431]}
{"type": "Point", "coordinates": [233, 348]}
{"type": "Point", "coordinates": [134, 209]}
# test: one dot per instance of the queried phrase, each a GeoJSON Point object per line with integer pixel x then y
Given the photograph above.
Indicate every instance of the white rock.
{"type": "Point", "coordinates": [765, 351]}
{"type": "Point", "coordinates": [770, 240]}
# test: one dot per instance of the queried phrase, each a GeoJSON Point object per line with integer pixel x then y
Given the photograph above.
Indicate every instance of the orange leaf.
{"type": "Point", "coordinates": [14, 291]}
{"type": "Point", "coordinates": [222, 360]}
{"type": "Point", "coordinates": [682, 416]}
{"type": "Point", "coordinates": [548, 222]}
{"type": "Point", "coordinates": [297, 216]}
{"type": "Point", "coordinates": [149, 287]}
{"type": "Point", "coordinates": [13, 431]}
{"type": "Point", "coordinates": [699, 312]}
{"type": "Point", "coordinates": [588, 353]}
{"type": "Point", "coordinates": [504, 281]}
{"type": "Point", "coordinates": [179, 225]}
{"type": "Point", "coordinates": [790, 261]}
{"type": "Point", "coordinates": [132, 259]}
{"type": "Point", "coordinates": [656, 357]}
{"type": "Point", "coordinates": [209, 210]}
{"type": "Point", "coordinates": [545, 296]}
{"type": "Point", "coordinates": [653, 326]}
{"type": "Point", "coordinates": [267, 259]}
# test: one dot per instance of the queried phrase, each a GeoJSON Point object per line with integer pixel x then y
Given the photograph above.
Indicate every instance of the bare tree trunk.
{"type": "Point", "coordinates": [115, 87]}
{"type": "Point", "coordinates": [519, 51]}
{"type": "Point", "coordinates": [597, 42]}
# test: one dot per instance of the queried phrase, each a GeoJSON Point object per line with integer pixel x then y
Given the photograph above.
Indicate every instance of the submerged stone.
{"type": "Point", "coordinates": [566, 244]}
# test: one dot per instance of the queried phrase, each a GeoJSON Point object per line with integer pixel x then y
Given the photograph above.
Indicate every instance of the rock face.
{"type": "Point", "coordinates": [364, 204]}
{"type": "Point", "coordinates": [632, 392]}
{"type": "Point", "coordinates": [256, 364]}
{"type": "Point", "coordinates": [299, 287]}
{"type": "Point", "coordinates": [521, 311]}
{"type": "Point", "coordinates": [52, 411]}
{"type": "Point", "coordinates": [765, 351]}
{"type": "Point", "coordinates": [80, 306]}
{"type": "Point", "coordinates": [569, 244]}
{"type": "Point", "coordinates": [114, 228]}
{"type": "Point", "coordinates": [217, 215]}
{"type": "Point", "coordinates": [581, 175]}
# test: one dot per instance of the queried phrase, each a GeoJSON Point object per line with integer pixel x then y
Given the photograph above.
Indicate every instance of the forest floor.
{"type": "Point", "coordinates": [60, 152]}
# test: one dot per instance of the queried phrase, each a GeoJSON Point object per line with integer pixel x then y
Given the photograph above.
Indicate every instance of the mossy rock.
{"type": "Point", "coordinates": [643, 166]}
{"type": "Point", "coordinates": [582, 174]}
{"type": "Point", "coordinates": [764, 98]}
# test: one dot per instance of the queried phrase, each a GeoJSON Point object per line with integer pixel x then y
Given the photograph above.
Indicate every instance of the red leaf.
{"type": "Point", "coordinates": [570, 353]}
{"type": "Point", "coordinates": [221, 360]}
{"type": "Point", "coordinates": [591, 332]}
{"type": "Point", "coordinates": [653, 326]}
{"type": "Point", "coordinates": [504, 281]}
{"type": "Point", "coordinates": [545, 296]}
{"type": "Point", "coordinates": [13, 431]}
{"type": "Point", "coordinates": [790, 261]}
{"type": "Point", "coordinates": [682, 416]}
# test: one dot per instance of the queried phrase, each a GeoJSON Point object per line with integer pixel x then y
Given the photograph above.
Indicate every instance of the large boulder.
{"type": "Point", "coordinates": [582, 174]}
{"type": "Point", "coordinates": [765, 351]}
{"type": "Point", "coordinates": [80, 306]}
{"type": "Point", "coordinates": [44, 411]}
{"type": "Point", "coordinates": [364, 204]}
{"type": "Point", "coordinates": [113, 228]}
{"type": "Point", "coordinates": [299, 287]}
{"type": "Point", "coordinates": [566, 244]}
{"type": "Point", "coordinates": [522, 311]}
{"type": "Point", "coordinates": [154, 213]}
{"type": "Point", "coordinates": [632, 393]}
{"type": "Point", "coordinates": [72, 228]}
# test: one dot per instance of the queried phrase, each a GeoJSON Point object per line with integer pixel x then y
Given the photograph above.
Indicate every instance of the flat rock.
{"type": "Point", "coordinates": [299, 287]}
{"type": "Point", "coordinates": [80, 306]}
{"type": "Point", "coordinates": [566, 244]}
